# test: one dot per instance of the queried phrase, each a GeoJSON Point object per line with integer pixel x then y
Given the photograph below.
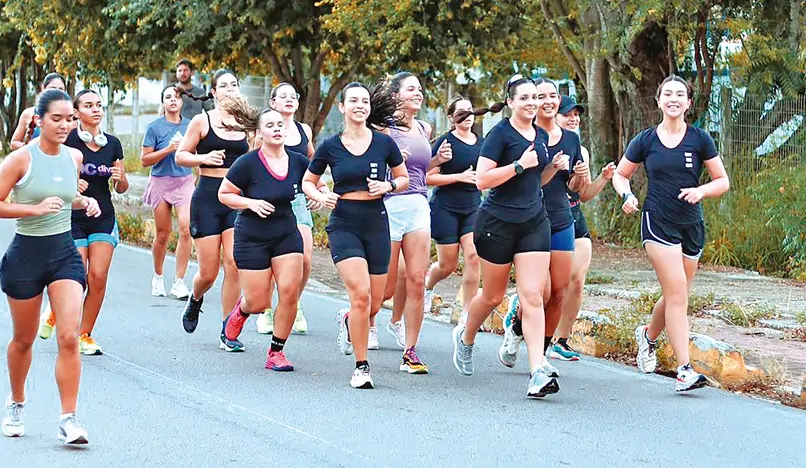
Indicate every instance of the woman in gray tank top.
{"type": "Point", "coordinates": [43, 178]}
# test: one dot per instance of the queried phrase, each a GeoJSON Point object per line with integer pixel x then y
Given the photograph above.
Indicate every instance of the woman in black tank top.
{"type": "Point", "coordinates": [285, 99]}
{"type": "Point", "coordinates": [210, 147]}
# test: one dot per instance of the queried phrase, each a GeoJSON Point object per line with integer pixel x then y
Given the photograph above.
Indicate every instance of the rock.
{"type": "Point", "coordinates": [436, 304]}
{"type": "Point", "coordinates": [591, 334]}
{"type": "Point", "coordinates": [717, 360]}
{"type": "Point", "coordinates": [803, 391]}
{"type": "Point", "coordinates": [776, 324]}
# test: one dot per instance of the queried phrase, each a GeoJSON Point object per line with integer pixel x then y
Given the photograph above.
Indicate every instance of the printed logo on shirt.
{"type": "Point", "coordinates": [689, 160]}
{"type": "Point", "coordinates": [91, 169]}
{"type": "Point", "coordinates": [296, 189]}
{"type": "Point", "coordinates": [373, 170]}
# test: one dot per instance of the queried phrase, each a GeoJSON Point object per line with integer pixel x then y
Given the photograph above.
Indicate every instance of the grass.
{"type": "Point", "coordinates": [746, 315]}
{"type": "Point", "coordinates": [131, 159]}
{"type": "Point", "coordinates": [599, 278]}
{"type": "Point", "coordinates": [800, 317]}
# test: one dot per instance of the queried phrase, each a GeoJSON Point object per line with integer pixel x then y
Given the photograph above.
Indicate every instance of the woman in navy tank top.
{"type": "Point", "coordinates": [299, 139]}
{"type": "Point", "coordinates": [211, 148]}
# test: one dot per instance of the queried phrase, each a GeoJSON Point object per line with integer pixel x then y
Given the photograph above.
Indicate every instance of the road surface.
{"type": "Point", "coordinates": [163, 398]}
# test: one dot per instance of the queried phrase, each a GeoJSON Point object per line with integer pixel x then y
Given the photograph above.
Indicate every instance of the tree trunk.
{"type": "Point", "coordinates": [110, 108]}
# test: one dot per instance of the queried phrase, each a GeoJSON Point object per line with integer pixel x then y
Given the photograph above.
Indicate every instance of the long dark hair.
{"type": "Point", "coordinates": [383, 105]}
{"type": "Point", "coordinates": [50, 77]}
{"type": "Point", "coordinates": [218, 74]}
{"type": "Point", "coordinates": [678, 79]}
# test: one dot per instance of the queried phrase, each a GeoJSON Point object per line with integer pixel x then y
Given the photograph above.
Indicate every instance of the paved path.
{"type": "Point", "coordinates": [162, 398]}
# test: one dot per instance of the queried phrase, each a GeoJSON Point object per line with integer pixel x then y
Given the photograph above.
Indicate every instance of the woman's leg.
{"type": "Point", "coordinates": [573, 299]}
{"type": "Point", "coordinates": [396, 267]}
{"type": "Point", "coordinates": [24, 320]}
{"type": "Point", "coordinates": [208, 253]}
{"type": "Point", "coordinates": [66, 303]}
{"type": "Point", "coordinates": [671, 312]}
{"type": "Point", "coordinates": [471, 272]}
{"type": "Point", "coordinates": [185, 241]}
{"type": "Point", "coordinates": [416, 252]}
{"type": "Point", "coordinates": [230, 289]}
{"type": "Point", "coordinates": [560, 272]}
{"type": "Point", "coordinates": [531, 272]}
{"type": "Point", "coordinates": [287, 272]}
{"type": "Point", "coordinates": [164, 227]}
{"type": "Point", "coordinates": [100, 258]}
{"type": "Point", "coordinates": [355, 275]}
{"type": "Point", "coordinates": [447, 261]}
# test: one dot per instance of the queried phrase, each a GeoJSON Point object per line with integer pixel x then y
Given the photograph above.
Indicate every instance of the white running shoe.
{"type": "Point", "coordinates": [13, 425]}
{"type": "Point", "coordinates": [541, 384]}
{"type": "Point", "coordinates": [647, 359]}
{"type": "Point", "coordinates": [362, 378]}
{"type": "Point", "coordinates": [689, 379]}
{"type": "Point", "coordinates": [551, 371]}
{"type": "Point", "coordinates": [179, 289]}
{"type": "Point", "coordinates": [300, 326]}
{"type": "Point", "coordinates": [428, 301]}
{"type": "Point", "coordinates": [157, 286]}
{"type": "Point", "coordinates": [70, 433]}
{"type": "Point", "coordinates": [373, 339]}
{"type": "Point", "coordinates": [47, 322]}
{"type": "Point", "coordinates": [265, 322]}
{"type": "Point", "coordinates": [343, 340]}
{"type": "Point", "coordinates": [397, 330]}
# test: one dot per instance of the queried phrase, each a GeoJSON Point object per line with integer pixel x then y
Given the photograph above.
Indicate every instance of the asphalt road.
{"type": "Point", "coordinates": [162, 398]}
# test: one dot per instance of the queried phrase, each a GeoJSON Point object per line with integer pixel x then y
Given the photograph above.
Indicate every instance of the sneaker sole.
{"type": "Point", "coordinates": [265, 332]}
{"type": "Point", "coordinates": [281, 369]}
{"type": "Point", "coordinates": [413, 370]}
{"type": "Point", "coordinates": [13, 434]}
{"type": "Point", "coordinates": [230, 350]}
{"type": "Point", "coordinates": [549, 389]}
{"type": "Point", "coordinates": [696, 385]}
{"type": "Point", "coordinates": [299, 332]}
{"type": "Point", "coordinates": [501, 359]}
{"type": "Point", "coordinates": [374, 347]}
{"type": "Point", "coordinates": [80, 440]}
{"type": "Point", "coordinates": [45, 335]}
{"type": "Point", "coordinates": [365, 386]}
{"type": "Point", "coordinates": [93, 353]}
{"type": "Point", "coordinates": [555, 355]}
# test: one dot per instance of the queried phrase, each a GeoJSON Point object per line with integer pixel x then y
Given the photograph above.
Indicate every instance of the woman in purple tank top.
{"type": "Point", "coordinates": [409, 225]}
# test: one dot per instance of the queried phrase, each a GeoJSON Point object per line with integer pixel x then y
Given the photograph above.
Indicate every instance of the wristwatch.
{"type": "Point", "coordinates": [393, 184]}
{"type": "Point", "coordinates": [518, 168]}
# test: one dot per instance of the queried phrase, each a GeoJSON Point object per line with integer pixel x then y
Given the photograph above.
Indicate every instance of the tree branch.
{"type": "Point", "coordinates": [298, 73]}
{"type": "Point", "coordinates": [566, 50]}
{"type": "Point", "coordinates": [330, 98]}
{"type": "Point", "coordinates": [278, 68]}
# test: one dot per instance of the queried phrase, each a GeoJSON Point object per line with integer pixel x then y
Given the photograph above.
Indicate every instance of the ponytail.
{"type": "Point", "coordinates": [383, 105]}
{"type": "Point", "coordinates": [247, 116]}
{"type": "Point", "coordinates": [29, 132]}
{"type": "Point", "coordinates": [494, 109]}
{"type": "Point", "coordinates": [183, 92]}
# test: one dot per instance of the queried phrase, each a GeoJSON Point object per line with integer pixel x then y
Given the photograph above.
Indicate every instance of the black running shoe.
{"type": "Point", "coordinates": [190, 315]}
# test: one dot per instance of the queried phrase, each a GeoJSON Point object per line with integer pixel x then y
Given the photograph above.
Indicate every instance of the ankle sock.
{"type": "Point", "coordinates": [277, 344]}
{"type": "Point", "coordinates": [364, 365]}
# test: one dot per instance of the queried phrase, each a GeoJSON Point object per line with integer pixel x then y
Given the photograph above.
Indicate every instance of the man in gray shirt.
{"type": "Point", "coordinates": [190, 108]}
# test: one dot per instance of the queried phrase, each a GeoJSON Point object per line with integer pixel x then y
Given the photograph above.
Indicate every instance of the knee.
{"type": "Point", "coordinates": [161, 238]}
{"type": "Point", "coordinates": [67, 340]}
{"type": "Point", "coordinates": [256, 304]}
{"type": "Point", "coordinates": [360, 303]}
{"type": "Point", "coordinates": [184, 231]}
{"type": "Point", "coordinates": [415, 283]}
{"type": "Point", "coordinates": [288, 293]}
{"type": "Point", "coordinates": [208, 272]}
{"type": "Point", "coordinates": [491, 300]}
{"type": "Point", "coordinates": [96, 279]}
{"type": "Point", "coordinates": [230, 269]}
{"type": "Point", "coordinates": [472, 263]}
{"type": "Point", "coordinates": [23, 343]}
{"type": "Point", "coordinates": [531, 300]}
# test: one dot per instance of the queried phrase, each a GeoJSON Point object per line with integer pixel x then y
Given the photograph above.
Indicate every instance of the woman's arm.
{"type": "Point", "coordinates": [186, 152]}
{"type": "Point", "coordinates": [23, 124]}
{"type": "Point", "coordinates": [149, 156]}
{"type": "Point", "coordinates": [119, 179]}
{"type": "Point", "coordinates": [621, 183]}
{"type": "Point", "coordinates": [719, 183]}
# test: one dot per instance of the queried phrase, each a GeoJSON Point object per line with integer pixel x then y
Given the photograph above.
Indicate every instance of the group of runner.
{"type": "Point", "coordinates": [509, 198]}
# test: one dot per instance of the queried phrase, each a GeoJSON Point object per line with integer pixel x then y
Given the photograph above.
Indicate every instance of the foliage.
{"type": "Point", "coordinates": [131, 227]}
{"type": "Point", "coordinates": [746, 315]}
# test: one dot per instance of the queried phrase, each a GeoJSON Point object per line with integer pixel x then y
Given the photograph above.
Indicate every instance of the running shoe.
{"type": "Point", "coordinates": [47, 322]}
{"type": "Point", "coordinates": [157, 286]}
{"type": "Point", "coordinates": [647, 359]}
{"type": "Point", "coordinates": [373, 343]}
{"type": "Point", "coordinates": [233, 324]}
{"type": "Point", "coordinates": [230, 346]}
{"type": "Point", "coordinates": [87, 346]}
{"type": "Point", "coordinates": [541, 384]}
{"type": "Point", "coordinates": [276, 361]}
{"type": "Point", "coordinates": [265, 322]}
{"type": "Point", "coordinates": [345, 345]}
{"type": "Point", "coordinates": [190, 314]}
{"type": "Point", "coordinates": [362, 378]}
{"type": "Point", "coordinates": [428, 300]}
{"type": "Point", "coordinates": [70, 433]}
{"type": "Point", "coordinates": [13, 425]}
{"type": "Point", "coordinates": [462, 353]}
{"type": "Point", "coordinates": [412, 364]}
{"type": "Point", "coordinates": [689, 379]}
{"type": "Point", "coordinates": [563, 351]}
{"type": "Point", "coordinates": [179, 289]}
{"type": "Point", "coordinates": [397, 330]}
{"type": "Point", "coordinates": [300, 326]}
{"type": "Point", "coordinates": [508, 352]}
{"type": "Point", "coordinates": [462, 318]}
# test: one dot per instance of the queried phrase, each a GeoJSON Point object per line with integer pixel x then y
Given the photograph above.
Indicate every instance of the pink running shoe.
{"type": "Point", "coordinates": [276, 361]}
{"type": "Point", "coordinates": [235, 322]}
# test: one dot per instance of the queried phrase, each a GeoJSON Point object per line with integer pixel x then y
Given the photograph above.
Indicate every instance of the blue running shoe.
{"type": "Point", "coordinates": [230, 346]}
{"type": "Point", "coordinates": [564, 352]}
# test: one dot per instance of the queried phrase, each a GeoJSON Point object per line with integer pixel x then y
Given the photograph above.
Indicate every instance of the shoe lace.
{"type": "Point", "coordinates": [651, 348]}
{"type": "Point", "coordinates": [15, 411]}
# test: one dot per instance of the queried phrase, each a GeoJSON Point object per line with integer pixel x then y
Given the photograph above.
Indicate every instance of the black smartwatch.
{"type": "Point", "coordinates": [393, 184]}
{"type": "Point", "coordinates": [518, 168]}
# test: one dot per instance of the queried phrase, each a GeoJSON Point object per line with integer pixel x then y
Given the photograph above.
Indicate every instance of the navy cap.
{"type": "Point", "coordinates": [567, 104]}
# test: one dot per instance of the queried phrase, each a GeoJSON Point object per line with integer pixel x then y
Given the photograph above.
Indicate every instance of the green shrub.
{"type": "Point", "coordinates": [131, 227]}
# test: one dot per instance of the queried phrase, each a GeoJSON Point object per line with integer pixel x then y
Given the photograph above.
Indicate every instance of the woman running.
{"type": "Point", "coordinates": [454, 203]}
{"type": "Point", "coordinates": [672, 226]}
{"type": "Point", "coordinates": [169, 186]}
{"type": "Point", "coordinates": [210, 147]}
{"type": "Point", "coordinates": [358, 230]}
{"type": "Point", "coordinates": [409, 223]}
{"type": "Point", "coordinates": [512, 227]}
{"type": "Point", "coordinates": [95, 237]}
{"type": "Point", "coordinates": [299, 139]}
{"type": "Point", "coordinates": [26, 126]}
{"type": "Point", "coordinates": [44, 179]}
{"type": "Point", "coordinates": [568, 170]}
{"type": "Point", "coordinates": [568, 118]}
{"type": "Point", "coordinates": [261, 185]}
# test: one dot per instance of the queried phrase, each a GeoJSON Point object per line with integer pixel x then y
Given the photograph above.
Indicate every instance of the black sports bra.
{"type": "Point", "coordinates": [212, 142]}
